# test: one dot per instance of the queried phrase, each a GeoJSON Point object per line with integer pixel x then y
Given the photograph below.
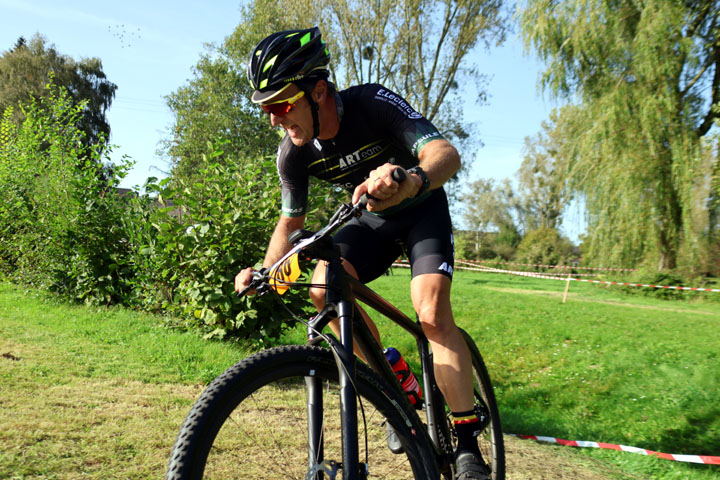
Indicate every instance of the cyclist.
{"type": "Point", "coordinates": [355, 138]}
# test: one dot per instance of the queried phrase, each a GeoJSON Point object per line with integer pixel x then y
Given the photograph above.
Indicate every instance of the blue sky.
{"type": "Point", "coordinates": [148, 50]}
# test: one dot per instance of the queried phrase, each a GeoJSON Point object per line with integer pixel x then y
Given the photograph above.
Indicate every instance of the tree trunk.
{"type": "Point", "coordinates": [670, 228]}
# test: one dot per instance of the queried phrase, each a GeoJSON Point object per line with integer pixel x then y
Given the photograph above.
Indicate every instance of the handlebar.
{"type": "Point", "coordinates": [261, 278]}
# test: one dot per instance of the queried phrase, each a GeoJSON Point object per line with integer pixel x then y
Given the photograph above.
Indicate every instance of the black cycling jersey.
{"type": "Point", "coordinates": [377, 126]}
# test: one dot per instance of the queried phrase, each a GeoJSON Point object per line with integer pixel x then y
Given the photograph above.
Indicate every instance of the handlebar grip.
{"type": "Point", "coordinates": [245, 290]}
{"type": "Point", "coordinates": [364, 199]}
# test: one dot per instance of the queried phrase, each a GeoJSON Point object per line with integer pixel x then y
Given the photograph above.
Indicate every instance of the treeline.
{"type": "Point", "coordinates": [634, 144]}
{"type": "Point", "coordinates": [636, 138]}
{"type": "Point", "coordinates": [635, 141]}
{"type": "Point", "coordinates": [65, 227]}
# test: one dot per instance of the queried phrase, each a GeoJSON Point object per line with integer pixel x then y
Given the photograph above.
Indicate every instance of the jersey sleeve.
{"type": "Point", "coordinates": [293, 180]}
{"type": "Point", "coordinates": [405, 124]}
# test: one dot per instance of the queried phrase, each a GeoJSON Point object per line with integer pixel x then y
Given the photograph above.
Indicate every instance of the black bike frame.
{"type": "Point", "coordinates": [434, 403]}
{"type": "Point", "coordinates": [341, 291]}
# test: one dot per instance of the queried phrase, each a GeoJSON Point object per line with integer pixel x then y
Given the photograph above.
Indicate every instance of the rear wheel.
{"type": "Point", "coordinates": [252, 422]}
{"type": "Point", "coordinates": [490, 439]}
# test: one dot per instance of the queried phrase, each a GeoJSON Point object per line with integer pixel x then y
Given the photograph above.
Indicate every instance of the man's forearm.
{"type": "Point", "coordinates": [439, 160]}
{"type": "Point", "coordinates": [279, 244]}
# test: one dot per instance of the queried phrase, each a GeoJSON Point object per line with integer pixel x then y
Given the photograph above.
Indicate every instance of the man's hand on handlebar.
{"type": "Point", "coordinates": [384, 189]}
{"type": "Point", "coordinates": [243, 279]}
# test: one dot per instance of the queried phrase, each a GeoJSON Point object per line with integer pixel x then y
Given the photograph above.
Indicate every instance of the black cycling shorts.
{"type": "Point", "coordinates": [371, 243]}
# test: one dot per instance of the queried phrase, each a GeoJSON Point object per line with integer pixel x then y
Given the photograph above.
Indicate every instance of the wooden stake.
{"type": "Point", "coordinates": [567, 287]}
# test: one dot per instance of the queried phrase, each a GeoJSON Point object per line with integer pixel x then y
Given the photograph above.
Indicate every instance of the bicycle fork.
{"type": "Point", "coordinates": [343, 309]}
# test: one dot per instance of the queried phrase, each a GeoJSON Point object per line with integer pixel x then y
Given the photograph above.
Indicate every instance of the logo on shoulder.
{"type": "Point", "coordinates": [398, 102]}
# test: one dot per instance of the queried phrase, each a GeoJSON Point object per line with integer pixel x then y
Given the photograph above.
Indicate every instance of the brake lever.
{"type": "Point", "coordinates": [245, 290]}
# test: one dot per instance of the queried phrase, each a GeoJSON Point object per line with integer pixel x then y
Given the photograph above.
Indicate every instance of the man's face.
{"type": "Point", "coordinates": [298, 122]}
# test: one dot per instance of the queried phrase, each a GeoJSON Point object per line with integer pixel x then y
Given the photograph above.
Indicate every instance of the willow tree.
{"type": "Point", "coordinates": [645, 74]}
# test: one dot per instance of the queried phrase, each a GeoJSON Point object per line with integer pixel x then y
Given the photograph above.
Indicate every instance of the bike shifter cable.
{"type": "Point", "coordinates": [333, 342]}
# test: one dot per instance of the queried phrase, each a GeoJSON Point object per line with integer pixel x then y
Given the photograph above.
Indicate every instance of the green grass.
{"type": "Point", "coordinates": [628, 370]}
{"type": "Point", "coordinates": [101, 393]}
{"type": "Point", "coordinates": [112, 342]}
{"type": "Point", "coordinates": [94, 393]}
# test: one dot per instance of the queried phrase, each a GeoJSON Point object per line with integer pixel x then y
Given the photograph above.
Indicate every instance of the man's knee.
{"type": "Point", "coordinates": [431, 299]}
{"type": "Point", "coordinates": [317, 296]}
{"type": "Point", "coordinates": [435, 316]}
{"type": "Point", "coordinates": [436, 326]}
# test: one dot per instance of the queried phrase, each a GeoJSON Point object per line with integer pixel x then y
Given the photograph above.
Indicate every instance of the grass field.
{"type": "Point", "coordinates": [94, 393]}
{"type": "Point", "coordinates": [100, 393]}
{"type": "Point", "coordinates": [602, 367]}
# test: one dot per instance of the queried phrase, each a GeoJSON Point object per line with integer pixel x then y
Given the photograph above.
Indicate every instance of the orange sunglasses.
{"type": "Point", "coordinates": [282, 107]}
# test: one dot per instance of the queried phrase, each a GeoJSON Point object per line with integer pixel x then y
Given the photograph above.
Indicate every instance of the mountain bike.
{"type": "Point", "coordinates": [315, 412]}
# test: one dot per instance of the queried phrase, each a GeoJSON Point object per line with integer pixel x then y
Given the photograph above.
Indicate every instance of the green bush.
{"type": "Point", "coordinates": [59, 213]}
{"type": "Point", "coordinates": [545, 246]}
{"type": "Point", "coordinates": [194, 237]}
{"type": "Point", "coordinates": [176, 248]}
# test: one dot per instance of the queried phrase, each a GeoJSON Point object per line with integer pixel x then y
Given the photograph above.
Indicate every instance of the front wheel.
{"type": "Point", "coordinates": [252, 422]}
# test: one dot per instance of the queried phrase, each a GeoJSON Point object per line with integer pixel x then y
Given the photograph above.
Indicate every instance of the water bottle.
{"type": "Point", "coordinates": [404, 375]}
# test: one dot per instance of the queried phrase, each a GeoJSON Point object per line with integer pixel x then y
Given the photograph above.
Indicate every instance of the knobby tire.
{"type": "Point", "coordinates": [251, 422]}
{"type": "Point", "coordinates": [490, 439]}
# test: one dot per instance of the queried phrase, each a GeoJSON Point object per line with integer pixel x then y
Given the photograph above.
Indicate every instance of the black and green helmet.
{"type": "Point", "coordinates": [286, 57]}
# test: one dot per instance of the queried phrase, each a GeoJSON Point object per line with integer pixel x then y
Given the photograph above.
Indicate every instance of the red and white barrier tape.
{"type": "Point", "coordinates": [481, 268]}
{"type": "Point", "coordinates": [704, 459]}
{"type": "Point", "coordinates": [477, 263]}
{"type": "Point", "coordinates": [547, 277]}
{"type": "Point", "coordinates": [567, 267]}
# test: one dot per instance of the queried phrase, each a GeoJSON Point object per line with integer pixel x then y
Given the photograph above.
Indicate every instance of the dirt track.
{"type": "Point", "coordinates": [530, 460]}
